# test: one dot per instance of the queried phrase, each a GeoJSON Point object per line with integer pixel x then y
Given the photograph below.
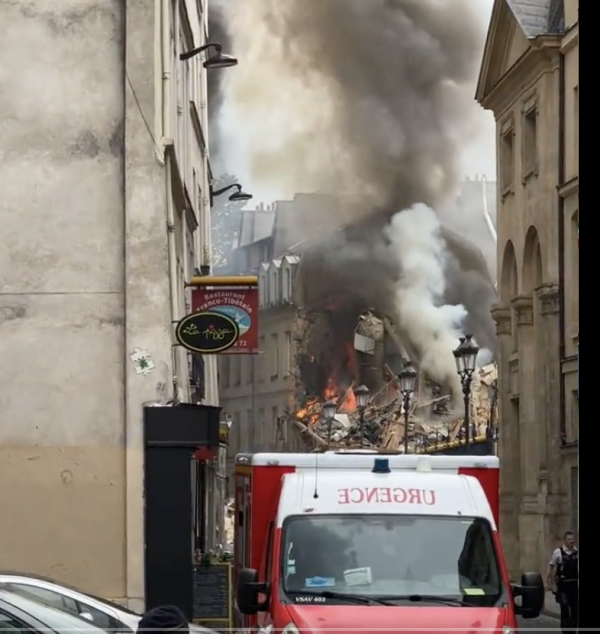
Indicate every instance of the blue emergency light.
{"type": "Point", "coordinates": [381, 465]}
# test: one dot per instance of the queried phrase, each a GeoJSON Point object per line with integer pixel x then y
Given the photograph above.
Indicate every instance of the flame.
{"type": "Point", "coordinates": [310, 413]}
{"type": "Point", "coordinates": [330, 392]}
{"type": "Point", "coordinates": [349, 403]}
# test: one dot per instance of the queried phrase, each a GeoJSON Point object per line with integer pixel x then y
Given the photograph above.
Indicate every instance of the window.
{"type": "Point", "coordinates": [574, 272]}
{"type": "Point", "coordinates": [574, 416]}
{"type": "Point", "coordinates": [250, 366]}
{"type": "Point", "coordinates": [45, 596]}
{"type": "Point", "coordinates": [574, 500]}
{"type": "Point", "coordinates": [246, 433]}
{"type": "Point", "coordinates": [262, 299]}
{"type": "Point", "coordinates": [225, 370]}
{"type": "Point", "coordinates": [286, 293]}
{"type": "Point", "coordinates": [10, 625]}
{"type": "Point", "coordinates": [367, 554]}
{"type": "Point", "coordinates": [507, 159]}
{"type": "Point", "coordinates": [260, 424]}
{"type": "Point", "coordinates": [576, 125]}
{"type": "Point", "coordinates": [530, 142]}
{"type": "Point", "coordinates": [289, 366]}
{"type": "Point", "coordinates": [274, 417]}
{"type": "Point", "coordinates": [101, 619]}
{"type": "Point", "coordinates": [236, 370]}
{"type": "Point", "coordinates": [274, 357]}
{"type": "Point", "coordinates": [261, 360]}
{"type": "Point", "coordinates": [274, 288]}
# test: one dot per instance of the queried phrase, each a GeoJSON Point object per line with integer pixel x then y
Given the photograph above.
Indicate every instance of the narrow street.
{"type": "Point", "coordinates": [541, 624]}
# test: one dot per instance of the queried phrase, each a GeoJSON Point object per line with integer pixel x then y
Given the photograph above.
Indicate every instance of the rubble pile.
{"type": "Point", "coordinates": [432, 418]}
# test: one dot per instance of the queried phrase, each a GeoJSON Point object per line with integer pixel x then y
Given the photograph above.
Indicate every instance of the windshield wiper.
{"type": "Point", "coordinates": [431, 598]}
{"type": "Point", "coordinates": [363, 599]}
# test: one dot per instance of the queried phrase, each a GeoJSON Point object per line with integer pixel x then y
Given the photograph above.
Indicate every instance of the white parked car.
{"type": "Point", "coordinates": [103, 614]}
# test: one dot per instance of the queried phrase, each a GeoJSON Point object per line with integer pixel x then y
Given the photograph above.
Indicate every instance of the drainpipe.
{"type": "Point", "coordinates": [158, 78]}
{"type": "Point", "coordinates": [561, 243]}
{"type": "Point", "coordinates": [167, 141]}
{"type": "Point", "coordinates": [172, 256]}
{"type": "Point", "coordinates": [166, 64]}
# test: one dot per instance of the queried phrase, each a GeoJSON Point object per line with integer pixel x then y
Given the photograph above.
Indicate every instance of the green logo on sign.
{"type": "Point", "coordinates": [207, 332]}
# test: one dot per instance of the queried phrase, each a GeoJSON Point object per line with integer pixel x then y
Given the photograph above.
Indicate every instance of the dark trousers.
{"type": "Point", "coordinates": [568, 599]}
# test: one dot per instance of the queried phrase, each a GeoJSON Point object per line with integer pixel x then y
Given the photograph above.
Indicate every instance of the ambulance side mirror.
{"type": "Point", "coordinates": [532, 593]}
{"type": "Point", "coordinates": [248, 591]}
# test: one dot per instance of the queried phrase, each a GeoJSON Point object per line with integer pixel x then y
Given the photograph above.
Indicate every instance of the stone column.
{"type": "Point", "coordinates": [508, 445]}
{"type": "Point", "coordinates": [549, 378]}
{"type": "Point", "coordinates": [529, 512]}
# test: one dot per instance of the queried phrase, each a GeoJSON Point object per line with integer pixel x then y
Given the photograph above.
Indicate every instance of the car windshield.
{"type": "Point", "coordinates": [53, 619]}
{"type": "Point", "coordinates": [391, 556]}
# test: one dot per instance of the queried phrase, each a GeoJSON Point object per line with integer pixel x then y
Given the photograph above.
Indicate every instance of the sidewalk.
{"type": "Point", "coordinates": [551, 608]}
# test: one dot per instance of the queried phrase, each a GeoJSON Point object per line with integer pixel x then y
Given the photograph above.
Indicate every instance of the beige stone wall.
{"type": "Point", "coordinates": [520, 82]}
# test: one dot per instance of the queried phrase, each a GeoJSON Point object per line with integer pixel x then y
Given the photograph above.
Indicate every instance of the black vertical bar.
{"type": "Point", "coordinates": [168, 528]}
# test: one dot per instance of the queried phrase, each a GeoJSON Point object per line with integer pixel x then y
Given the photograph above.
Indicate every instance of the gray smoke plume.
{"type": "Point", "coordinates": [366, 96]}
{"type": "Point", "coordinates": [371, 99]}
{"type": "Point", "coordinates": [217, 33]}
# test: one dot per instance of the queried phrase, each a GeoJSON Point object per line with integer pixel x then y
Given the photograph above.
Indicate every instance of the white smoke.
{"type": "Point", "coordinates": [432, 327]}
{"type": "Point", "coordinates": [484, 357]}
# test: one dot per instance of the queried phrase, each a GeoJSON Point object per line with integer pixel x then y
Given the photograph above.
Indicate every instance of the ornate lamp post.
{"type": "Point", "coordinates": [407, 378]}
{"type": "Point", "coordinates": [361, 394]}
{"type": "Point", "coordinates": [465, 356]}
{"type": "Point", "coordinates": [328, 413]}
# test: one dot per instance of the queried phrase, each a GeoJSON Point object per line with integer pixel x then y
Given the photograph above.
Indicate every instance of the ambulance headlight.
{"type": "Point", "coordinates": [290, 628]}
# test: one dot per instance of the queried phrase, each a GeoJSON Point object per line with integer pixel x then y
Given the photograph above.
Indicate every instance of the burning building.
{"type": "Point", "coordinates": [327, 325]}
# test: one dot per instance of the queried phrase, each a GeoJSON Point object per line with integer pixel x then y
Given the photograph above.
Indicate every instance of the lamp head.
{"type": "Point", "coordinates": [240, 196]}
{"type": "Point", "coordinates": [408, 378]}
{"type": "Point", "coordinates": [329, 410]}
{"type": "Point", "coordinates": [361, 393]}
{"type": "Point", "coordinates": [465, 355]}
{"type": "Point", "coordinates": [220, 60]}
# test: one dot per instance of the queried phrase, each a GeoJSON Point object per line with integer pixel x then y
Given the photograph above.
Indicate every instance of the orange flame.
{"type": "Point", "coordinates": [349, 404]}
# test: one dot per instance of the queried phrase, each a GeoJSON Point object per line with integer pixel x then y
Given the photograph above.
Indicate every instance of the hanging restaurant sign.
{"type": "Point", "coordinates": [237, 303]}
{"type": "Point", "coordinates": [207, 332]}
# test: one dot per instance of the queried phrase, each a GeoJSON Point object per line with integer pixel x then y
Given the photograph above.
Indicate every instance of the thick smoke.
{"type": "Point", "coordinates": [432, 326]}
{"type": "Point", "coordinates": [219, 34]}
{"type": "Point", "coordinates": [372, 99]}
{"type": "Point", "coordinates": [369, 97]}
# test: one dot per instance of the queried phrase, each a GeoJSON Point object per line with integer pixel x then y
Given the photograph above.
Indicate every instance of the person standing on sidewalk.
{"type": "Point", "coordinates": [563, 577]}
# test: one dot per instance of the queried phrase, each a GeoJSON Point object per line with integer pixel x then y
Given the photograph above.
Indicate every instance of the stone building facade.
{"type": "Point", "coordinates": [105, 212]}
{"type": "Point", "coordinates": [529, 79]}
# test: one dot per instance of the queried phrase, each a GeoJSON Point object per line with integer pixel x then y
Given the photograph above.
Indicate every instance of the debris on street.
{"type": "Point", "coordinates": [432, 418]}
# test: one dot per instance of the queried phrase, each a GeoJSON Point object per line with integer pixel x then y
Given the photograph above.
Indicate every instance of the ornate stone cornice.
{"type": "Point", "coordinates": [549, 298]}
{"type": "Point", "coordinates": [503, 318]}
{"type": "Point", "coordinates": [523, 307]}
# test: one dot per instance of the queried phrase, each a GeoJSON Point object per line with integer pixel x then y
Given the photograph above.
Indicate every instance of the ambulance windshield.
{"type": "Point", "coordinates": [391, 556]}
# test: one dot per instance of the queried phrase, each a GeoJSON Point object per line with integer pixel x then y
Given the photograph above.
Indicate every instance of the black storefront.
{"type": "Point", "coordinates": [172, 436]}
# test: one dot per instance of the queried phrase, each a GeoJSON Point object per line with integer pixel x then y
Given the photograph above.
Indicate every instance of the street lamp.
{"type": "Point", "coordinates": [218, 60]}
{"type": "Point", "coordinates": [465, 356]}
{"type": "Point", "coordinates": [236, 197]}
{"type": "Point", "coordinates": [407, 378]}
{"type": "Point", "coordinates": [328, 411]}
{"type": "Point", "coordinates": [361, 394]}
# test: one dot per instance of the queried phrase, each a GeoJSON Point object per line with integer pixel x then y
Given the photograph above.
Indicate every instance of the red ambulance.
{"type": "Point", "coordinates": [350, 541]}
